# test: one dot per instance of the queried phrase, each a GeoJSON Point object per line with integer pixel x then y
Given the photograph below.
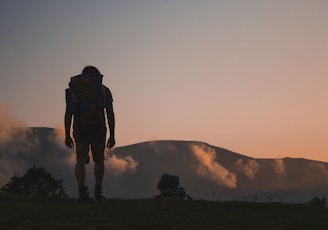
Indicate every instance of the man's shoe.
{"type": "Point", "coordinates": [98, 193]}
{"type": "Point", "coordinates": [84, 195]}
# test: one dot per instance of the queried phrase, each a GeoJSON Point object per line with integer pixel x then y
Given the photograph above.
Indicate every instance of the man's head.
{"type": "Point", "coordinates": [91, 71]}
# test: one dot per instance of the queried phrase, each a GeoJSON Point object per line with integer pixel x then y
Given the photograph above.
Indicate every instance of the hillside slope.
{"type": "Point", "coordinates": [205, 171]}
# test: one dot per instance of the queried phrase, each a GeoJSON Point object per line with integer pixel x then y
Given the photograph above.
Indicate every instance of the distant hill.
{"type": "Point", "coordinates": [205, 171]}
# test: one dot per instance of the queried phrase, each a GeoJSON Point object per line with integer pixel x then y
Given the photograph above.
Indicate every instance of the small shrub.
{"type": "Point", "coordinates": [316, 201]}
{"type": "Point", "coordinates": [36, 182]}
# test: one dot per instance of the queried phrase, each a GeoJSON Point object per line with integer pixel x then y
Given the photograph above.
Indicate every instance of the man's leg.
{"type": "Point", "coordinates": [82, 155]}
{"type": "Point", "coordinates": [80, 173]}
{"type": "Point", "coordinates": [99, 168]}
{"type": "Point", "coordinates": [99, 171]}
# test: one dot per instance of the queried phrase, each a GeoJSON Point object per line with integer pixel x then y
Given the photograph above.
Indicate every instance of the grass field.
{"type": "Point", "coordinates": [158, 214]}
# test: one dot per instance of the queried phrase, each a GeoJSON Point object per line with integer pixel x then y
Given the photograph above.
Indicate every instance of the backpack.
{"type": "Point", "coordinates": [87, 97]}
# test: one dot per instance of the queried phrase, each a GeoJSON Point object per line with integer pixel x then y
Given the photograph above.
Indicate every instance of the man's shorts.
{"type": "Point", "coordinates": [97, 151]}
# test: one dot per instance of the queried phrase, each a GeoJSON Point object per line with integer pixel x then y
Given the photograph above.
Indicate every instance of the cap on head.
{"type": "Point", "coordinates": [91, 71]}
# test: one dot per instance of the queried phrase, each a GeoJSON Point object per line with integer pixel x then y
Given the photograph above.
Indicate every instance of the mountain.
{"type": "Point", "coordinates": [205, 171]}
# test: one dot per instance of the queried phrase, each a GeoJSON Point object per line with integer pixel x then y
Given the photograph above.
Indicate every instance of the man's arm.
{"type": "Point", "coordinates": [68, 122]}
{"type": "Point", "coordinates": [111, 124]}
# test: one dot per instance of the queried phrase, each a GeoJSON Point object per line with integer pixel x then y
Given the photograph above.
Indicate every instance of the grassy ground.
{"type": "Point", "coordinates": [158, 214]}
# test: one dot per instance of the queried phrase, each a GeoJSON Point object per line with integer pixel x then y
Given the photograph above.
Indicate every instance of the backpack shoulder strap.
{"type": "Point", "coordinates": [71, 100]}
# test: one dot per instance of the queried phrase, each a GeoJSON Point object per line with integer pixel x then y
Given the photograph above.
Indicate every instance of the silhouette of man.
{"type": "Point", "coordinates": [88, 103]}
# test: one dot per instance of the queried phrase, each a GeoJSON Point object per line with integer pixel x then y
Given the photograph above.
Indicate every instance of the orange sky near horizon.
{"type": "Point", "coordinates": [249, 76]}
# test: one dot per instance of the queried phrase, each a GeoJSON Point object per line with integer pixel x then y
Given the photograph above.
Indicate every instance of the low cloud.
{"type": "Point", "coordinates": [59, 137]}
{"type": "Point", "coordinates": [321, 166]}
{"type": "Point", "coordinates": [211, 169]}
{"type": "Point", "coordinates": [22, 147]}
{"type": "Point", "coordinates": [10, 126]}
{"type": "Point", "coordinates": [13, 142]}
{"type": "Point", "coordinates": [279, 167]}
{"type": "Point", "coordinates": [249, 168]}
{"type": "Point", "coordinates": [6, 171]}
{"type": "Point", "coordinates": [118, 166]}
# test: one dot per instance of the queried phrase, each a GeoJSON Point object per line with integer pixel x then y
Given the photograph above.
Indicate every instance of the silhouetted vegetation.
{"type": "Point", "coordinates": [36, 182]}
{"type": "Point", "coordinates": [316, 201]}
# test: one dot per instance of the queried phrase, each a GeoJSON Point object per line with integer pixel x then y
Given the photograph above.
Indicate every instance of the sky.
{"type": "Point", "coordinates": [246, 75]}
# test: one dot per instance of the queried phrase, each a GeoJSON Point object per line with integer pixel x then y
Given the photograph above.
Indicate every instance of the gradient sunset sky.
{"type": "Point", "coordinates": [247, 75]}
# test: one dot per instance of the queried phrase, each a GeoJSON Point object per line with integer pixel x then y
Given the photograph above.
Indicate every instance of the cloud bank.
{"type": "Point", "coordinates": [279, 167]}
{"type": "Point", "coordinates": [250, 168]}
{"type": "Point", "coordinates": [9, 125]}
{"type": "Point", "coordinates": [210, 168]}
{"type": "Point", "coordinates": [118, 166]}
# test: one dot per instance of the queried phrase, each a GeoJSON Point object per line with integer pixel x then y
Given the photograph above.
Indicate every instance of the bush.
{"type": "Point", "coordinates": [36, 182]}
{"type": "Point", "coordinates": [316, 201]}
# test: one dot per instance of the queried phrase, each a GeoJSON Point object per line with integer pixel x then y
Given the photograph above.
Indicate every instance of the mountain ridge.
{"type": "Point", "coordinates": [205, 171]}
{"type": "Point", "coordinates": [50, 129]}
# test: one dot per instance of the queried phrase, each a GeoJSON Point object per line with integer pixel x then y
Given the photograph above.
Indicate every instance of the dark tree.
{"type": "Point", "coordinates": [36, 182]}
